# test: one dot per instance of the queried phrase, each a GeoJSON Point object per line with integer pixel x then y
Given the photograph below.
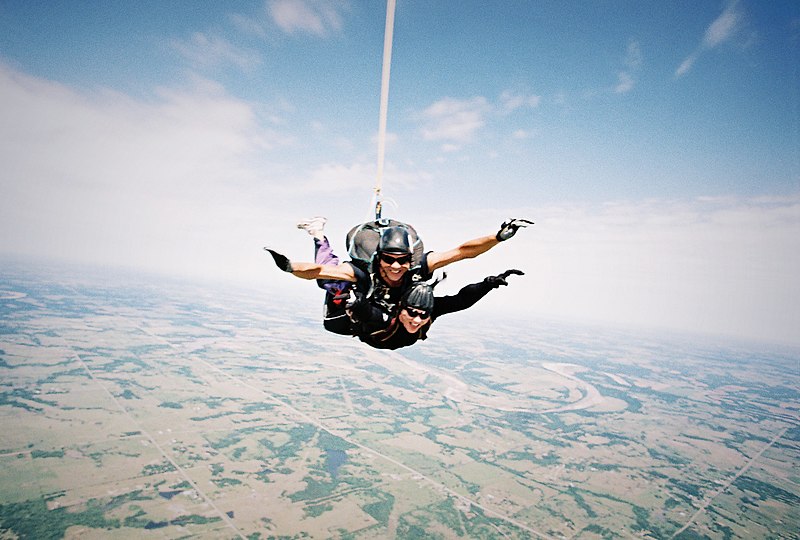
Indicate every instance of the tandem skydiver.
{"type": "Point", "coordinates": [390, 273]}
{"type": "Point", "coordinates": [417, 310]}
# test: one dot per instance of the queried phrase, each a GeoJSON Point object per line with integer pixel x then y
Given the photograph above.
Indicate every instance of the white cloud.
{"type": "Point", "coordinates": [723, 28]}
{"type": "Point", "coordinates": [456, 122]}
{"type": "Point", "coordinates": [170, 182]}
{"type": "Point", "coordinates": [338, 177]}
{"type": "Point", "coordinates": [624, 83]}
{"type": "Point", "coordinates": [341, 178]}
{"type": "Point", "coordinates": [204, 51]}
{"type": "Point", "coordinates": [633, 55]}
{"type": "Point", "coordinates": [720, 31]}
{"type": "Point", "coordinates": [448, 148]}
{"type": "Point", "coordinates": [725, 266]}
{"type": "Point", "coordinates": [316, 17]}
{"type": "Point", "coordinates": [248, 25]}
{"type": "Point", "coordinates": [453, 120]}
{"type": "Point", "coordinates": [717, 266]}
{"type": "Point", "coordinates": [510, 102]}
{"type": "Point", "coordinates": [633, 61]}
{"type": "Point", "coordinates": [686, 65]}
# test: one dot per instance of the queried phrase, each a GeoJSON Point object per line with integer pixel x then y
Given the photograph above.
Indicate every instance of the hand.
{"type": "Point", "coordinates": [509, 228]}
{"type": "Point", "coordinates": [356, 306]}
{"type": "Point", "coordinates": [281, 260]}
{"type": "Point", "coordinates": [355, 300]}
{"type": "Point", "coordinates": [496, 281]}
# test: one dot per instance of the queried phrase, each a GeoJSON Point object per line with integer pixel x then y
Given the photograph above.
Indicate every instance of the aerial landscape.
{"type": "Point", "coordinates": [631, 166]}
{"type": "Point", "coordinates": [174, 411]}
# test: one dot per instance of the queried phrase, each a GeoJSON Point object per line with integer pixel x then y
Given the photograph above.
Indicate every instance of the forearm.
{"type": "Point", "coordinates": [465, 298]}
{"type": "Point", "coordinates": [477, 246]}
{"type": "Point", "coordinates": [305, 270]}
{"type": "Point", "coordinates": [467, 250]}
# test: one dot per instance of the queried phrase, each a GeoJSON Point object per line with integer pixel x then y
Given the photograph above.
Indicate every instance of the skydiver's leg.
{"type": "Point", "coordinates": [323, 253]}
{"type": "Point", "coordinates": [335, 318]}
{"type": "Point", "coordinates": [314, 226]}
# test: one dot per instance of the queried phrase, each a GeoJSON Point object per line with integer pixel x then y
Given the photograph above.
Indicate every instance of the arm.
{"type": "Point", "coordinates": [467, 250]}
{"type": "Point", "coordinates": [470, 294]}
{"type": "Point", "coordinates": [304, 270]}
{"type": "Point", "coordinates": [463, 299]}
{"type": "Point", "coordinates": [473, 248]}
{"type": "Point", "coordinates": [342, 272]}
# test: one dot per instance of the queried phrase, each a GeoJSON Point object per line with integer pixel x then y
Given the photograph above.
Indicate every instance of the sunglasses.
{"type": "Point", "coordinates": [417, 313]}
{"type": "Point", "coordinates": [388, 259]}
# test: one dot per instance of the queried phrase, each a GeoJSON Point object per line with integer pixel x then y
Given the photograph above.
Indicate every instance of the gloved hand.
{"type": "Point", "coordinates": [496, 281]}
{"type": "Point", "coordinates": [357, 306]}
{"type": "Point", "coordinates": [509, 228]}
{"type": "Point", "coordinates": [280, 260]}
{"type": "Point", "coordinates": [355, 300]}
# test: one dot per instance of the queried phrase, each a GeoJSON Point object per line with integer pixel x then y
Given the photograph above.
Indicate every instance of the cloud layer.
{"type": "Point", "coordinates": [722, 266]}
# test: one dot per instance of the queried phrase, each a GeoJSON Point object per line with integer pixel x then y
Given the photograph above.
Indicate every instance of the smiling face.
{"type": "Point", "coordinates": [393, 268]}
{"type": "Point", "coordinates": [413, 319]}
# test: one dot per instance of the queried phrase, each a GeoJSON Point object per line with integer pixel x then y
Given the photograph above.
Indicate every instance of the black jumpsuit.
{"type": "Point", "coordinates": [382, 299]}
{"type": "Point", "coordinates": [374, 331]}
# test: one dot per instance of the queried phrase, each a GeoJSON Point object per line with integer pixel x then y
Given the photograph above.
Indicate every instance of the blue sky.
{"type": "Point", "coordinates": [654, 143]}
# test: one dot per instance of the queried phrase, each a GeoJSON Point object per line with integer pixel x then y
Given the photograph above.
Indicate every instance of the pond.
{"type": "Point", "coordinates": [334, 460]}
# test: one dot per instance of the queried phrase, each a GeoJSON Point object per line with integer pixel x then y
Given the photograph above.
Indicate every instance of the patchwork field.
{"type": "Point", "coordinates": [174, 412]}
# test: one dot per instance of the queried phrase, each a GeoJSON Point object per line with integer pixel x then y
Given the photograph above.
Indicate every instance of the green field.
{"type": "Point", "coordinates": [177, 413]}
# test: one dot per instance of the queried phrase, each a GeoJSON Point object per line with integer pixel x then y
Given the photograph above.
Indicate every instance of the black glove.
{"type": "Point", "coordinates": [509, 228]}
{"type": "Point", "coordinates": [496, 281]}
{"type": "Point", "coordinates": [283, 263]}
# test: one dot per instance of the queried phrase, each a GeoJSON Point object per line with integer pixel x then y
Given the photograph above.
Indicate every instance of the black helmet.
{"type": "Point", "coordinates": [419, 296]}
{"type": "Point", "coordinates": [394, 240]}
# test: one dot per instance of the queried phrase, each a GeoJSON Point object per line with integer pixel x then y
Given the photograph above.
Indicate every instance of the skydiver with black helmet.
{"type": "Point", "coordinates": [390, 274]}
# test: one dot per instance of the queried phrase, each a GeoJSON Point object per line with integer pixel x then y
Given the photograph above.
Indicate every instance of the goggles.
{"type": "Point", "coordinates": [389, 259]}
{"type": "Point", "coordinates": [413, 312]}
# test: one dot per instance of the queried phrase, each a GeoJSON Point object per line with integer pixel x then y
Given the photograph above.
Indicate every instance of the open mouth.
{"type": "Point", "coordinates": [394, 274]}
{"type": "Point", "coordinates": [414, 324]}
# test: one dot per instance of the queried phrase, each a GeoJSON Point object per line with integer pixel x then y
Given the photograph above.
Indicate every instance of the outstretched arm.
{"type": "Point", "coordinates": [306, 270]}
{"type": "Point", "coordinates": [342, 272]}
{"type": "Point", "coordinates": [470, 294]}
{"type": "Point", "coordinates": [467, 250]}
{"type": "Point", "coordinates": [478, 246]}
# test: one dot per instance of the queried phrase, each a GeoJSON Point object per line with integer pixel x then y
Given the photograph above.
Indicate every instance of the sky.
{"type": "Point", "coordinates": [655, 144]}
